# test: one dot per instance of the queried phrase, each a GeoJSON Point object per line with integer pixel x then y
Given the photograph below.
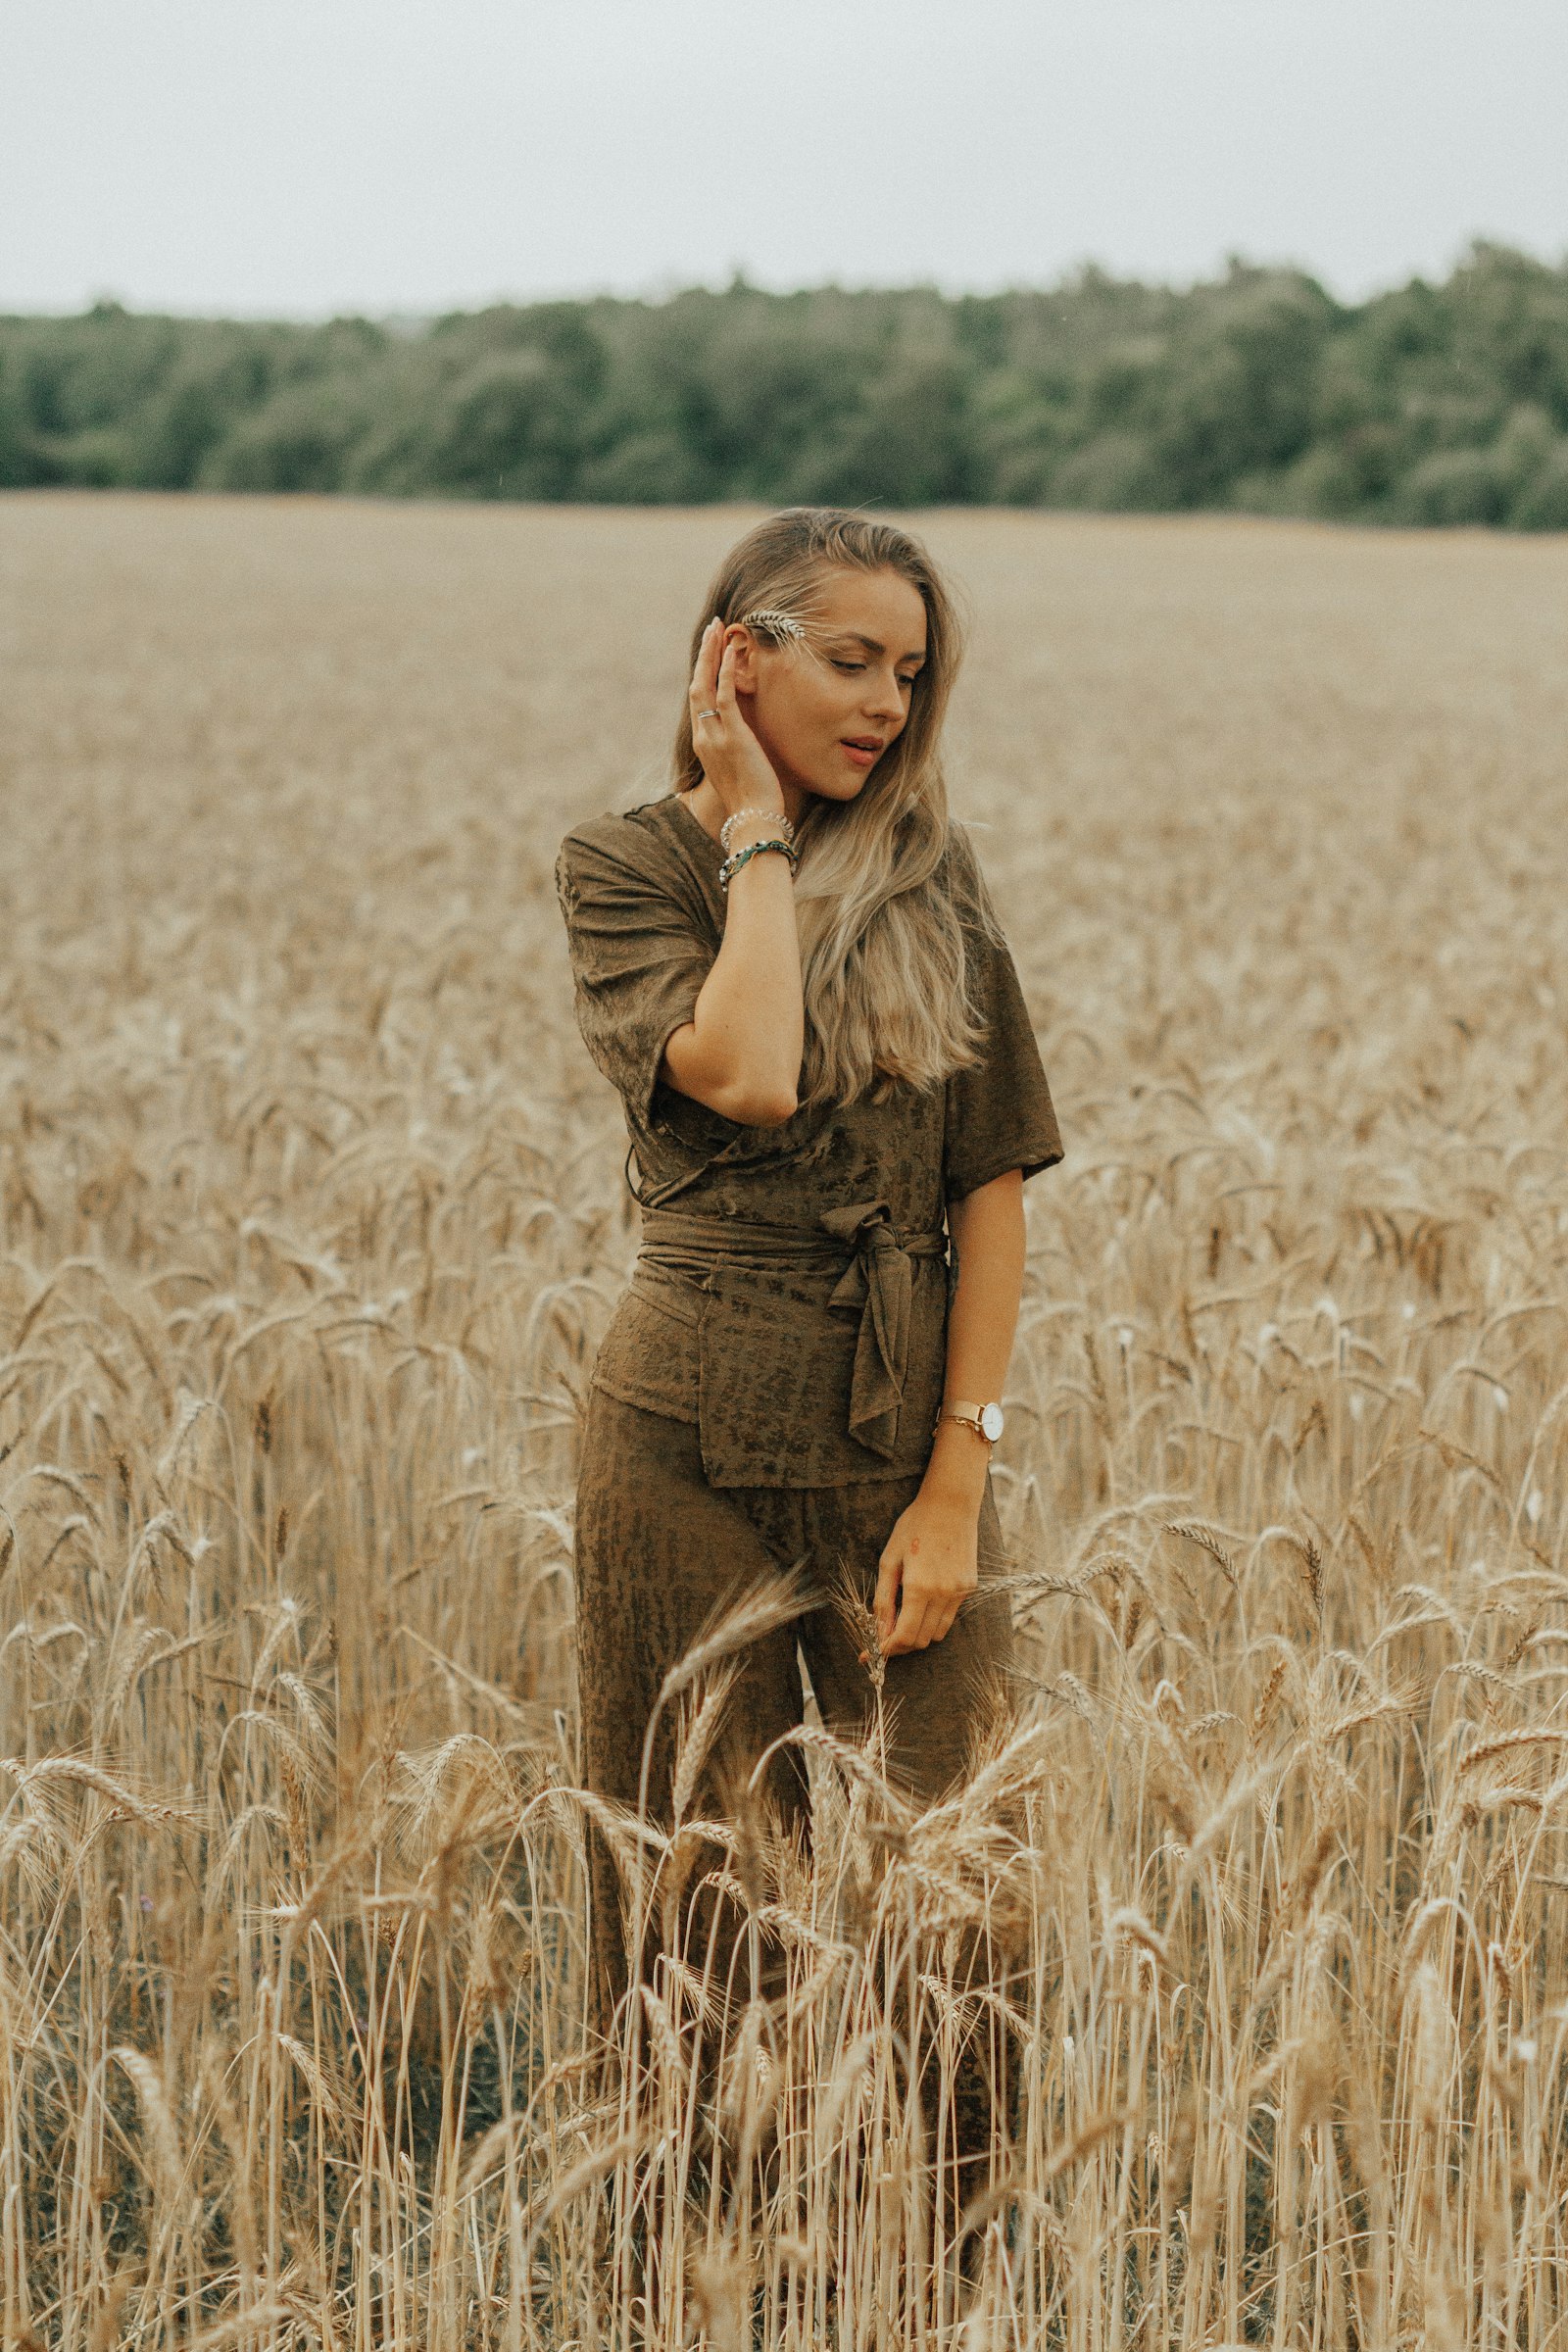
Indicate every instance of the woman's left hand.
{"type": "Point", "coordinates": [929, 1566]}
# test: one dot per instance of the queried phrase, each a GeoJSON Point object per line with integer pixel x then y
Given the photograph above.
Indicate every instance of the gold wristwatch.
{"type": "Point", "coordinates": [984, 1419]}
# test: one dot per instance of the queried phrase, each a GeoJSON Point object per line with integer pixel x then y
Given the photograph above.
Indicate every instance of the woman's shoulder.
{"type": "Point", "coordinates": [639, 844]}
{"type": "Point", "coordinates": [637, 869]}
{"type": "Point", "coordinates": [632, 836]}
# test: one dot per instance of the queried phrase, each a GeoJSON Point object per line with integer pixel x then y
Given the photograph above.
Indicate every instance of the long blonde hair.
{"type": "Point", "coordinates": [879, 901]}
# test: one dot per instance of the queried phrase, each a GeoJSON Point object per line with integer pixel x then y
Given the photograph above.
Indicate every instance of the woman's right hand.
{"type": "Point", "coordinates": [733, 760]}
{"type": "Point", "coordinates": [740, 1051]}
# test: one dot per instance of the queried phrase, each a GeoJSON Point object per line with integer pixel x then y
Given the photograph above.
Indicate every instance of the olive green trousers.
{"type": "Point", "coordinates": [659, 1552]}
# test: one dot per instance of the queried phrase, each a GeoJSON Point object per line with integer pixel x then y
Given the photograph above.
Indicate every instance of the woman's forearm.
{"type": "Point", "coordinates": [740, 1051]}
{"type": "Point", "coordinates": [988, 1234]}
{"type": "Point", "coordinates": [930, 1562]}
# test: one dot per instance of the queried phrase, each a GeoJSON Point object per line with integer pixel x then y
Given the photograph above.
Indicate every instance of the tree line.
{"type": "Point", "coordinates": [1429, 404]}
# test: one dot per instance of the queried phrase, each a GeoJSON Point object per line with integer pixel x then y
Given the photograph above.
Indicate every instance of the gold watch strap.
{"type": "Point", "coordinates": [968, 1414]}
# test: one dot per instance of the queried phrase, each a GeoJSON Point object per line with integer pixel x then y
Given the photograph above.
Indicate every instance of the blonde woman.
{"type": "Point", "coordinates": [790, 968]}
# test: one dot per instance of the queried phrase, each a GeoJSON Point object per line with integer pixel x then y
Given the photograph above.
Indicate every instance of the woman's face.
{"type": "Point", "coordinates": [825, 721]}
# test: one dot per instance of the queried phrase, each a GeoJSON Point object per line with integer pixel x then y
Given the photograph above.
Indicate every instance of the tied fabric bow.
{"type": "Point", "coordinates": [879, 1284]}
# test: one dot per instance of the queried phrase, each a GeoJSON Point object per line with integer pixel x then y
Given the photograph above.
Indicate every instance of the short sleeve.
{"type": "Point", "coordinates": [999, 1113]}
{"type": "Point", "coordinates": [638, 959]}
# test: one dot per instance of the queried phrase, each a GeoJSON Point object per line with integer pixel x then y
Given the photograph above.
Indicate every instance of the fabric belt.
{"type": "Point", "coordinates": [859, 1242]}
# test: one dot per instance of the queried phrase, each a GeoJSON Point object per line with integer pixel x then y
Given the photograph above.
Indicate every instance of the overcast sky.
{"type": "Point", "coordinates": [299, 156]}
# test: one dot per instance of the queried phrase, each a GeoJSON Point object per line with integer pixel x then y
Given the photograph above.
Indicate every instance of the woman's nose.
{"type": "Point", "coordinates": [882, 697]}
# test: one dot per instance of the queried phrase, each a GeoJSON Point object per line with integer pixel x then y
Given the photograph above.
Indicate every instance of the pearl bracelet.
{"type": "Point", "coordinates": [775, 817]}
{"type": "Point", "coordinates": [753, 849]}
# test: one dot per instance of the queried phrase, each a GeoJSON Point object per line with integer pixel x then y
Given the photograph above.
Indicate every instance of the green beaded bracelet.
{"type": "Point", "coordinates": [753, 849]}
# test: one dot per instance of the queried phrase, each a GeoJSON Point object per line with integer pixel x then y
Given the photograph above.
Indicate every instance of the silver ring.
{"type": "Point", "coordinates": [708, 713]}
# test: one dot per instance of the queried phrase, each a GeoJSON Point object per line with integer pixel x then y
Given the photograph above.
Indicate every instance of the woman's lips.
{"type": "Point", "coordinates": [859, 753]}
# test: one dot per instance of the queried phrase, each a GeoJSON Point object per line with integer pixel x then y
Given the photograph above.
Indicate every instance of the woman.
{"type": "Point", "coordinates": [790, 968]}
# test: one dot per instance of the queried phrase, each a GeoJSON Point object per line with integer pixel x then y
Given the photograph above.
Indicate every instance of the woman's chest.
{"type": "Point", "coordinates": [890, 1151]}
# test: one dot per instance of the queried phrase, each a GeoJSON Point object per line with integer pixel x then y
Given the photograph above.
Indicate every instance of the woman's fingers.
{"type": "Point", "coordinates": [702, 656]}
{"type": "Point", "coordinates": [901, 1609]}
{"type": "Point", "coordinates": [884, 1604]}
{"type": "Point", "coordinates": [704, 672]}
{"type": "Point", "coordinates": [918, 1620]}
{"type": "Point", "coordinates": [915, 1621]}
{"type": "Point", "coordinates": [725, 684]}
{"type": "Point", "coordinates": [712, 687]}
{"type": "Point", "coordinates": [912, 1611]}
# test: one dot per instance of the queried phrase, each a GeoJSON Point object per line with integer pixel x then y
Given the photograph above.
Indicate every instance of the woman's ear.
{"type": "Point", "coordinates": [745, 644]}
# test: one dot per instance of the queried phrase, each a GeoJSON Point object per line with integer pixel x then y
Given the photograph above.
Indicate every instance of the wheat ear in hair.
{"type": "Point", "coordinates": [768, 621]}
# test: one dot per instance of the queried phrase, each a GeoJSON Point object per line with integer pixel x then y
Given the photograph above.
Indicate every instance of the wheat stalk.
{"type": "Point", "coordinates": [1253, 1895]}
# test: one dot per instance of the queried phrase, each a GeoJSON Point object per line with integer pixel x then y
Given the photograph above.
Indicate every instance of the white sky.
{"type": "Point", "coordinates": [303, 156]}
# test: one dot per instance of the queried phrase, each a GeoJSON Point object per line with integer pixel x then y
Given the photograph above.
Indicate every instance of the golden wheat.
{"type": "Point", "coordinates": [311, 1218]}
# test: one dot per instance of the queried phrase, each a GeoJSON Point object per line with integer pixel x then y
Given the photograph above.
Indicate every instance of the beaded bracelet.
{"type": "Point", "coordinates": [753, 849]}
{"type": "Point", "coordinates": [776, 816]}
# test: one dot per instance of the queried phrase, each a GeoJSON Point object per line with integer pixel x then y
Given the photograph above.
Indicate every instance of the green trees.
{"type": "Point", "coordinates": [1428, 405]}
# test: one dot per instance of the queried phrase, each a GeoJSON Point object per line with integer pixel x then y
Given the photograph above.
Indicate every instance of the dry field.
{"type": "Point", "coordinates": [311, 1214]}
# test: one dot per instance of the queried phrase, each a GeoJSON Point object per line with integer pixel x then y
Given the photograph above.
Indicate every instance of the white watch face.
{"type": "Point", "coordinates": [991, 1421]}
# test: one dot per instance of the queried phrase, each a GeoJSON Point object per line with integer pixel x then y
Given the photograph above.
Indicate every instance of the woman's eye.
{"type": "Point", "coordinates": [839, 663]}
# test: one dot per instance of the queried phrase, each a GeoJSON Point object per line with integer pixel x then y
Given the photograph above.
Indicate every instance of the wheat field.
{"type": "Point", "coordinates": [312, 1213]}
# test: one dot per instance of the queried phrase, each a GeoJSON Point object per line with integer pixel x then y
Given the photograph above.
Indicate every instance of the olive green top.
{"type": "Point", "coordinates": [791, 1296]}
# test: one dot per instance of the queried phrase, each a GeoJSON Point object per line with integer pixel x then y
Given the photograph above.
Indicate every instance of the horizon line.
{"type": "Point", "coordinates": [667, 288]}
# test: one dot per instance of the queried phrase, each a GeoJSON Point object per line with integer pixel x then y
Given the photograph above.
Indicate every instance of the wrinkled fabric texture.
{"type": "Point", "coordinates": [878, 1288]}
{"type": "Point", "coordinates": [765, 1297]}
{"type": "Point", "coordinates": [660, 1551]}
{"type": "Point", "coordinates": [764, 1399]}
{"type": "Point", "coordinates": [800, 1369]}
